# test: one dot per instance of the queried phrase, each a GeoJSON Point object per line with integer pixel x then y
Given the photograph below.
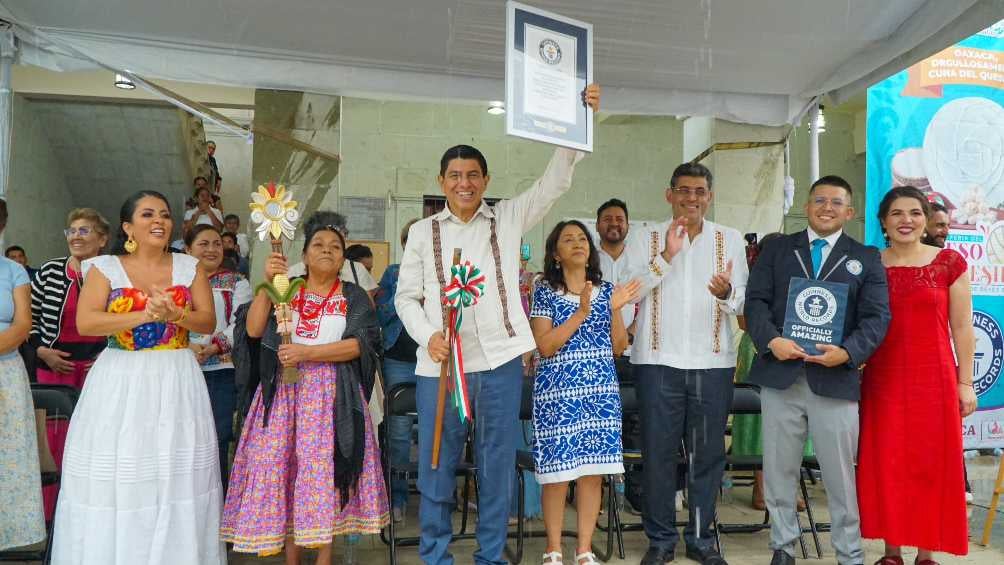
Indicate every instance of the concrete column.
{"type": "Point", "coordinates": [748, 183]}
{"type": "Point", "coordinates": [313, 119]}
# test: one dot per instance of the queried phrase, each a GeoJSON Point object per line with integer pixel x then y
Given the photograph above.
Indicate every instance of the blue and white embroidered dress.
{"type": "Point", "coordinates": [576, 397]}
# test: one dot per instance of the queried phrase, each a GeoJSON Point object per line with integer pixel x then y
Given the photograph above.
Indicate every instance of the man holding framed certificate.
{"type": "Point", "coordinates": [817, 306]}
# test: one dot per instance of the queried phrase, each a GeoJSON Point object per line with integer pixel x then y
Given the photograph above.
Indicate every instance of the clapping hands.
{"type": "Point", "coordinates": [623, 294]}
{"type": "Point", "coordinates": [160, 306]}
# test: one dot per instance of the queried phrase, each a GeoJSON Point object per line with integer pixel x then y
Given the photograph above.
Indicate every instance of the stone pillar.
{"type": "Point", "coordinates": [310, 118]}
{"type": "Point", "coordinates": [748, 183]}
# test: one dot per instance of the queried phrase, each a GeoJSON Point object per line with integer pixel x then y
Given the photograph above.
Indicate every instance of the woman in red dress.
{"type": "Point", "coordinates": [914, 394]}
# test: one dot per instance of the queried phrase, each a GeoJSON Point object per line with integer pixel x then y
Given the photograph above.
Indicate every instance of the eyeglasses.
{"type": "Point", "coordinates": [834, 202]}
{"type": "Point", "coordinates": [687, 192]}
{"type": "Point", "coordinates": [82, 231]}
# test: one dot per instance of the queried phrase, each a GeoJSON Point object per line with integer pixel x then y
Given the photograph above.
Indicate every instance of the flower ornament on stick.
{"type": "Point", "coordinates": [274, 210]}
{"type": "Point", "coordinates": [465, 288]}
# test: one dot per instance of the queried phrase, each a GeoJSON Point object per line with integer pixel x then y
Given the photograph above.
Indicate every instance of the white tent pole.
{"type": "Point", "coordinates": [7, 52]}
{"type": "Point", "coordinates": [814, 142]}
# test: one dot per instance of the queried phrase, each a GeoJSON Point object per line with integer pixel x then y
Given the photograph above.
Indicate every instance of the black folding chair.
{"type": "Point", "coordinates": [746, 401]}
{"type": "Point", "coordinates": [634, 459]}
{"type": "Point", "coordinates": [525, 462]}
{"type": "Point", "coordinates": [400, 401]}
{"type": "Point", "coordinates": [58, 401]}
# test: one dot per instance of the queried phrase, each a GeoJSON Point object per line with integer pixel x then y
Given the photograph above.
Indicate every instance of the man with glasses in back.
{"type": "Point", "coordinates": [693, 275]}
{"type": "Point", "coordinates": [815, 392]}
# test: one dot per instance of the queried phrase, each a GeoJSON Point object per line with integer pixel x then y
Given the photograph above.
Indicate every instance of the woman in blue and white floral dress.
{"type": "Point", "coordinates": [576, 398]}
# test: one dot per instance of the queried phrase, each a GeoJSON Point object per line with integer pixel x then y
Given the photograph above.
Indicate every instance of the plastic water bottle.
{"type": "Point", "coordinates": [619, 493]}
{"type": "Point", "coordinates": [351, 550]}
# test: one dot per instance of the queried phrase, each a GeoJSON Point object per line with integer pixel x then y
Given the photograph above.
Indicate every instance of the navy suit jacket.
{"type": "Point", "coordinates": [864, 325]}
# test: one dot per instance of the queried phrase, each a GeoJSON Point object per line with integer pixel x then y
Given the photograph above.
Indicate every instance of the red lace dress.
{"type": "Point", "coordinates": [911, 490]}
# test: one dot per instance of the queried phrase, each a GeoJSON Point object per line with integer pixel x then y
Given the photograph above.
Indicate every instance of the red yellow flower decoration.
{"type": "Point", "coordinates": [274, 210]}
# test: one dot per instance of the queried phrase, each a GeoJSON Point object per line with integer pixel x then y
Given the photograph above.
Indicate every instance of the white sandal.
{"type": "Point", "coordinates": [553, 558]}
{"type": "Point", "coordinates": [589, 556]}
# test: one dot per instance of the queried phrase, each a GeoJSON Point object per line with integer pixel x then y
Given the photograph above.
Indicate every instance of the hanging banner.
{"type": "Point", "coordinates": [939, 126]}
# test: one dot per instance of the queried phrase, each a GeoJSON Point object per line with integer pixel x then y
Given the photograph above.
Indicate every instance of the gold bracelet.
{"type": "Point", "coordinates": [970, 383]}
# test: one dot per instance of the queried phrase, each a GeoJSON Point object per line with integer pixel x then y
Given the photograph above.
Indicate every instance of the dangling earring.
{"type": "Point", "coordinates": [557, 264]}
{"type": "Point", "coordinates": [130, 245]}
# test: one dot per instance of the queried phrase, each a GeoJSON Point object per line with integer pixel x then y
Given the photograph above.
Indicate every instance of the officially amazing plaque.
{"type": "Point", "coordinates": [815, 313]}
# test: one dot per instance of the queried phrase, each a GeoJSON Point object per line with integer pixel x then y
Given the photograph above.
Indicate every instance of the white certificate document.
{"type": "Point", "coordinates": [549, 87]}
{"type": "Point", "coordinates": [549, 60]}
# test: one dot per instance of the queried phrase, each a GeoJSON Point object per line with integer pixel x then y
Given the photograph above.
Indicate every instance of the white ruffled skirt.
{"type": "Point", "coordinates": [140, 479]}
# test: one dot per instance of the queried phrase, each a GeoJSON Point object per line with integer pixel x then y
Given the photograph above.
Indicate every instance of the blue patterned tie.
{"type": "Point", "coordinates": [817, 255]}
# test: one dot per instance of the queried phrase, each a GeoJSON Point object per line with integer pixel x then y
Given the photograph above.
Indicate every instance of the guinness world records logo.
{"type": "Point", "coordinates": [550, 51]}
{"type": "Point", "coordinates": [989, 356]}
{"type": "Point", "coordinates": [815, 306]}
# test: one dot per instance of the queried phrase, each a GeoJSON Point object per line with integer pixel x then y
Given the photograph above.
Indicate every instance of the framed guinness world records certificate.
{"type": "Point", "coordinates": [549, 63]}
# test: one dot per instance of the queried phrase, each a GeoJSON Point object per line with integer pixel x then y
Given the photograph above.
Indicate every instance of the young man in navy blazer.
{"type": "Point", "coordinates": [815, 391]}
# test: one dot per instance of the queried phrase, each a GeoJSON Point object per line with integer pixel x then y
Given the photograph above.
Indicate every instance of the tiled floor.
{"type": "Point", "coordinates": [740, 549]}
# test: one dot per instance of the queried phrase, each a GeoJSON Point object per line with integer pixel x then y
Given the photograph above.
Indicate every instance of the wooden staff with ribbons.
{"type": "Point", "coordinates": [444, 374]}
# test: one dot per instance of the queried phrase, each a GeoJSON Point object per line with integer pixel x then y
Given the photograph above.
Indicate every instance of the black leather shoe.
{"type": "Point", "coordinates": [706, 556]}
{"type": "Point", "coordinates": [781, 557]}
{"type": "Point", "coordinates": [658, 556]}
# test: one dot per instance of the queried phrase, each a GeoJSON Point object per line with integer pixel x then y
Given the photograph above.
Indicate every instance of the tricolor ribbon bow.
{"type": "Point", "coordinates": [467, 285]}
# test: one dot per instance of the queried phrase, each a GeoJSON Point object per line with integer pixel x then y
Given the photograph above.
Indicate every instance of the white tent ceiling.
{"type": "Point", "coordinates": [757, 61]}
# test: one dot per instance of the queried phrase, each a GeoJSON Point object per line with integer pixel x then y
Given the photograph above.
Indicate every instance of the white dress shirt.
{"type": "Point", "coordinates": [676, 324]}
{"type": "Point", "coordinates": [831, 240]}
{"type": "Point", "coordinates": [612, 273]}
{"type": "Point", "coordinates": [487, 344]}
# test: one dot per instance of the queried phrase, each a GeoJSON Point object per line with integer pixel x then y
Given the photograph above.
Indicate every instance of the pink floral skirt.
{"type": "Point", "coordinates": [282, 482]}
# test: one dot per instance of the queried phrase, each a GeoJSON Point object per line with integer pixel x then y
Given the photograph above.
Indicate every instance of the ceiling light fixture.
{"type": "Point", "coordinates": [496, 107]}
{"type": "Point", "coordinates": [123, 82]}
{"type": "Point", "coordinates": [820, 120]}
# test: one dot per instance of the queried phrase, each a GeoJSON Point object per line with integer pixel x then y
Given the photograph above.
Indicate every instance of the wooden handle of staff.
{"type": "Point", "coordinates": [444, 373]}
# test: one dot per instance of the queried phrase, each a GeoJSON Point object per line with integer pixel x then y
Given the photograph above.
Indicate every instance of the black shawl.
{"type": "Point", "coordinates": [254, 357]}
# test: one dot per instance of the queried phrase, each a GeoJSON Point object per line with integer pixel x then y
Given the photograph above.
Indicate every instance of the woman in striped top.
{"type": "Point", "coordinates": [65, 356]}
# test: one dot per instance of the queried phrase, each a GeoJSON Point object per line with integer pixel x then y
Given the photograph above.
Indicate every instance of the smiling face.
{"type": "Point", "coordinates": [207, 247]}
{"type": "Point", "coordinates": [463, 184]}
{"type": "Point", "coordinates": [84, 246]}
{"type": "Point", "coordinates": [324, 254]}
{"type": "Point", "coordinates": [572, 248]}
{"type": "Point", "coordinates": [905, 221]}
{"type": "Point", "coordinates": [690, 199]}
{"type": "Point", "coordinates": [937, 228]}
{"type": "Point", "coordinates": [151, 223]}
{"type": "Point", "coordinates": [612, 225]}
{"type": "Point", "coordinates": [232, 225]}
{"type": "Point", "coordinates": [828, 209]}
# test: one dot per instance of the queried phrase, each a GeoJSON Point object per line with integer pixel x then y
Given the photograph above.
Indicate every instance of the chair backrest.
{"type": "Point", "coordinates": [629, 399]}
{"type": "Point", "coordinates": [526, 400]}
{"type": "Point", "coordinates": [400, 400]}
{"type": "Point", "coordinates": [58, 401]}
{"type": "Point", "coordinates": [745, 399]}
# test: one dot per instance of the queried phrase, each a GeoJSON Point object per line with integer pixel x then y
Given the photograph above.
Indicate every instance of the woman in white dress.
{"type": "Point", "coordinates": [141, 479]}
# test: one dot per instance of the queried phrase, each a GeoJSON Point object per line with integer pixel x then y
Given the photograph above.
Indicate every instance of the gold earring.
{"type": "Point", "coordinates": [130, 245]}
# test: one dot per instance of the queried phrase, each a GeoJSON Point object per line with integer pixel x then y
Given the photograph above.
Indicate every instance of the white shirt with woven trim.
{"type": "Point", "coordinates": [486, 343]}
{"type": "Point", "coordinates": [612, 269]}
{"type": "Point", "coordinates": [675, 322]}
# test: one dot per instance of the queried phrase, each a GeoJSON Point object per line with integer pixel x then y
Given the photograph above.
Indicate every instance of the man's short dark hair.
{"type": "Point", "coordinates": [938, 207]}
{"type": "Point", "coordinates": [230, 235]}
{"type": "Point", "coordinates": [612, 203]}
{"type": "Point", "coordinates": [12, 249]}
{"type": "Point", "coordinates": [833, 180]}
{"type": "Point", "coordinates": [229, 217]}
{"type": "Point", "coordinates": [196, 179]}
{"type": "Point", "coordinates": [691, 170]}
